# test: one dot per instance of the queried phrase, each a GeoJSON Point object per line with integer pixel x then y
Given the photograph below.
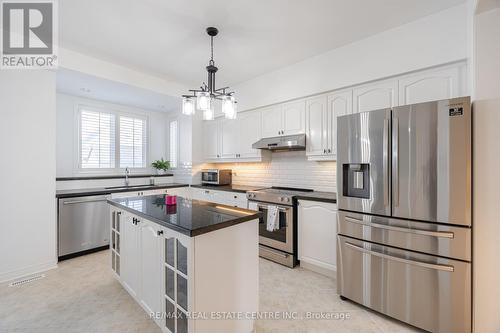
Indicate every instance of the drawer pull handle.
{"type": "Point", "coordinates": [445, 268]}
{"type": "Point", "coordinates": [441, 234]}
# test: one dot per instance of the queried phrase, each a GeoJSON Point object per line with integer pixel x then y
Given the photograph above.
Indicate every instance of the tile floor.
{"type": "Point", "coordinates": [83, 296]}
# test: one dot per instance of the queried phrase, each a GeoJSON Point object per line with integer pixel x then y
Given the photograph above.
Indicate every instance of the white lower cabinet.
{"type": "Point", "coordinates": [150, 245]}
{"type": "Point", "coordinates": [158, 271]}
{"type": "Point", "coordinates": [129, 253]}
{"type": "Point", "coordinates": [317, 235]}
{"type": "Point", "coordinates": [235, 199]}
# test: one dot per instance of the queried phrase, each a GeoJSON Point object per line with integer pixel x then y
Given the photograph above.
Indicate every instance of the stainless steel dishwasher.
{"type": "Point", "coordinates": [83, 225]}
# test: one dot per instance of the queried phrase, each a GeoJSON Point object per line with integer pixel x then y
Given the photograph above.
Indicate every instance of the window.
{"type": "Point", "coordinates": [174, 144]}
{"type": "Point", "coordinates": [110, 140]}
{"type": "Point", "coordinates": [132, 142]}
{"type": "Point", "coordinates": [97, 144]}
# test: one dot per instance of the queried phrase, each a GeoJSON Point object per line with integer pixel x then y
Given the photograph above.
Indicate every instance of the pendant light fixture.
{"type": "Point", "coordinates": [204, 98]}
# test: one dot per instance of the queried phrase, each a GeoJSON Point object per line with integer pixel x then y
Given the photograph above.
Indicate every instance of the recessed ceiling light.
{"type": "Point", "coordinates": [85, 90]}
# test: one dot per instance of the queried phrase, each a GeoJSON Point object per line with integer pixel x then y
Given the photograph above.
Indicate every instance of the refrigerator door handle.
{"type": "Point", "coordinates": [395, 161]}
{"type": "Point", "coordinates": [385, 165]}
{"type": "Point", "coordinates": [441, 234]}
{"type": "Point", "coordinates": [445, 268]}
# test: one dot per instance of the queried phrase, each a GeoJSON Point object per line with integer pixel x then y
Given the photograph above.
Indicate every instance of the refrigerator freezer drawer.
{"type": "Point", "coordinates": [425, 291]}
{"type": "Point", "coordinates": [435, 239]}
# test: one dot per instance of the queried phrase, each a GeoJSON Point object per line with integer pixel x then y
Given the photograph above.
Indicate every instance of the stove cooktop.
{"type": "Point", "coordinates": [280, 195]}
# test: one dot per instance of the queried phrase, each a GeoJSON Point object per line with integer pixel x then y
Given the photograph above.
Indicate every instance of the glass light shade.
{"type": "Point", "coordinates": [188, 106]}
{"type": "Point", "coordinates": [203, 100]}
{"type": "Point", "coordinates": [210, 113]}
{"type": "Point", "coordinates": [229, 107]}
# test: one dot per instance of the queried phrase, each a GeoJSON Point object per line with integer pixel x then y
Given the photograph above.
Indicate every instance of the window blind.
{"type": "Point", "coordinates": [97, 144]}
{"type": "Point", "coordinates": [174, 135]}
{"type": "Point", "coordinates": [132, 142]}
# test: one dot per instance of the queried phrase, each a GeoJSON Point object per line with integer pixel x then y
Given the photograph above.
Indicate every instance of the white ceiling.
{"type": "Point", "coordinates": [167, 37]}
{"type": "Point", "coordinates": [88, 86]}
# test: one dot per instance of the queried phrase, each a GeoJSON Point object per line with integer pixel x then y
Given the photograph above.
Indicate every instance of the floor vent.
{"type": "Point", "coordinates": [26, 280]}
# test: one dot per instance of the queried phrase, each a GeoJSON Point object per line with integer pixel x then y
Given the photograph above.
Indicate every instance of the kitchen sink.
{"type": "Point", "coordinates": [126, 187]}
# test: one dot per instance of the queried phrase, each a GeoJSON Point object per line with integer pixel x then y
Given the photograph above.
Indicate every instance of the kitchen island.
{"type": "Point", "coordinates": [193, 266]}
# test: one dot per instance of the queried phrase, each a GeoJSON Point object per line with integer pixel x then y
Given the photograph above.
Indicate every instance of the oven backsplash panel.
{"type": "Point", "coordinates": [289, 169]}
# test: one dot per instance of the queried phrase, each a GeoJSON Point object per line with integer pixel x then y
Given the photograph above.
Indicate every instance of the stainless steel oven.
{"type": "Point", "coordinates": [278, 245]}
{"type": "Point", "coordinates": [281, 239]}
{"type": "Point", "coordinates": [216, 177]}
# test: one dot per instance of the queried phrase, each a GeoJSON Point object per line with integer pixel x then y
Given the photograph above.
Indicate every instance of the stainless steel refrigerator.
{"type": "Point", "coordinates": [404, 220]}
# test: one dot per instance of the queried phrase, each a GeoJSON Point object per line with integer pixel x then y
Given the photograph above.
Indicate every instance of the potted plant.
{"type": "Point", "coordinates": [161, 166]}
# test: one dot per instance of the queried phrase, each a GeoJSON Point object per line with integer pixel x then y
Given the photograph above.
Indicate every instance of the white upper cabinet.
{"type": "Point", "coordinates": [339, 104]}
{"type": "Point", "coordinates": [272, 121]}
{"type": "Point", "coordinates": [432, 85]}
{"type": "Point", "coordinates": [211, 139]}
{"type": "Point", "coordinates": [249, 133]}
{"type": "Point", "coordinates": [375, 96]}
{"type": "Point", "coordinates": [284, 119]}
{"type": "Point", "coordinates": [294, 118]}
{"type": "Point", "coordinates": [229, 138]}
{"type": "Point", "coordinates": [316, 126]}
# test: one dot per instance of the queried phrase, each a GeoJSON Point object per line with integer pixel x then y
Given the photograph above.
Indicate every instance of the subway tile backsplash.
{"type": "Point", "coordinates": [291, 169]}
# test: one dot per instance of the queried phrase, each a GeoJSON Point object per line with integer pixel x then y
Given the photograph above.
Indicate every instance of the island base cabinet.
{"type": "Point", "coordinates": [172, 275]}
{"type": "Point", "coordinates": [317, 236]}
{"type": "Point", "coordinates": [227, 277]}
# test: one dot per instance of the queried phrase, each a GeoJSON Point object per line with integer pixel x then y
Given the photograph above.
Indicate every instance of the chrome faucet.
{"type": "Point", "coordinates": [127, 172]}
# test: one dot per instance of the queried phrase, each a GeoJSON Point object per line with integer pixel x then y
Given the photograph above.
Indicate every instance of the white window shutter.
{"type": "Point", "coordinates": [97, 140]}
{"type": "Point", "coordinates": [132, 142]}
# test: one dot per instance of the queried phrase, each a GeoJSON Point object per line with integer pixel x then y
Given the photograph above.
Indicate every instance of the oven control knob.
{"type": "Point", "coordinates": [281, 199]}
{"type": "Point", "coordinates": [287, 199]}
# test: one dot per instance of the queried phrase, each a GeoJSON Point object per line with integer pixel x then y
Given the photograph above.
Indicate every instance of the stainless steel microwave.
{"type": "Point", "coordinates": [216, 177]}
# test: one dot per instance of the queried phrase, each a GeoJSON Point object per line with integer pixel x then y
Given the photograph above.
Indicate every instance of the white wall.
{"type": "Point", "coordinates": [433, 40]}
{"type": "Point", "coordinates": [28, 171]}
{"type": "Point", "coordinates": [486, 158]}
{"type": "Point", "coordinates": [66, 132]}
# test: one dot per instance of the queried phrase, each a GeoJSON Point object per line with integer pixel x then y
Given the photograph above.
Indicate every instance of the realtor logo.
{"type": "Point", "coordinates": [29, 34]}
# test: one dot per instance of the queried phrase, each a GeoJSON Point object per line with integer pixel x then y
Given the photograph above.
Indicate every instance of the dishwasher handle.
{"type": "Point", "coordinates": [83, 201]}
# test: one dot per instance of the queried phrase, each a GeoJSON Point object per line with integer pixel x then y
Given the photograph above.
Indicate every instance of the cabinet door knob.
{"type": "Point", "coordinates": [160, 232]}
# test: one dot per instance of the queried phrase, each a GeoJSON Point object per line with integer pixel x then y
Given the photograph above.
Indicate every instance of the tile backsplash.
{"type": "Point", "coordinates": [290, 169]}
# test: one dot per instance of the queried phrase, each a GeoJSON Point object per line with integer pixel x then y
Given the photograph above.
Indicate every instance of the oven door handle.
{"type": "Point", "coordinates": [281, 209]}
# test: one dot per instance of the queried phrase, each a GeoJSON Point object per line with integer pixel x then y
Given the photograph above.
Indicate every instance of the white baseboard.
{"type": "Point", "coordinates": [30, 270]}
{"type": "Point", "coordinates": [330, 271]}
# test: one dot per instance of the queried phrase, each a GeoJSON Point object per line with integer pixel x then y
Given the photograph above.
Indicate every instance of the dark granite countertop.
{"type": "Point", "coordinates": [112, 177]}
{"type": "Point", "coordinates": [330, 197]}
{"type": "Point", "coordinates": [190, 217]}
{"type": "Point", "coordinates": [103, 191]}
{"type": "Point", "coordinates": [230, 188]}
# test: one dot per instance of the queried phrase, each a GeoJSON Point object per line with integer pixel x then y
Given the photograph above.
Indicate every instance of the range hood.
{"type": "Point", "coordinates": [282, 143]}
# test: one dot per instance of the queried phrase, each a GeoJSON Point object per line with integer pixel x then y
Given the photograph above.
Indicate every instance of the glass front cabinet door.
{"type": "Point", "coordinates": [177, 286]}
